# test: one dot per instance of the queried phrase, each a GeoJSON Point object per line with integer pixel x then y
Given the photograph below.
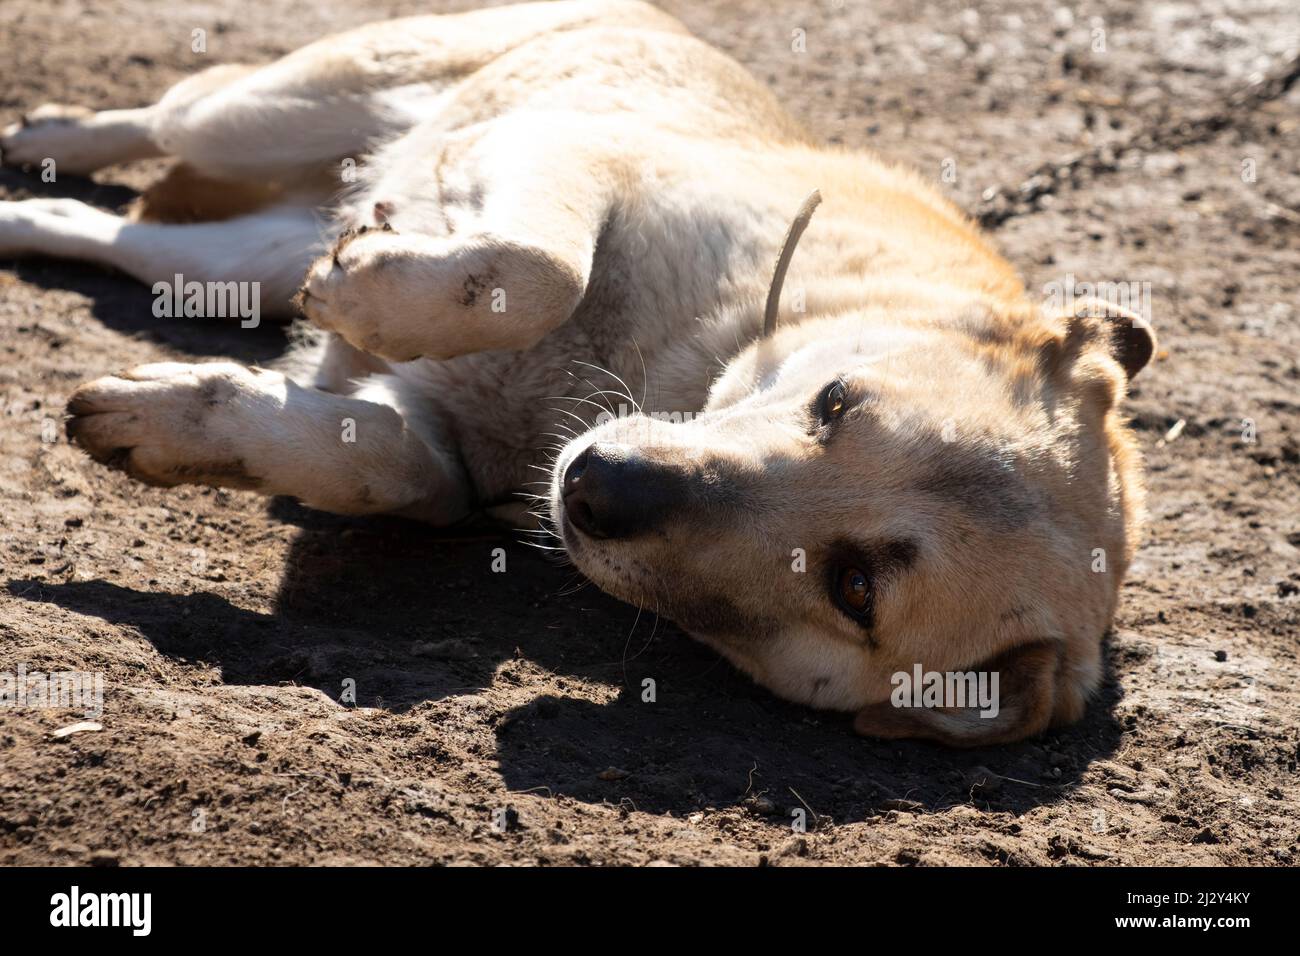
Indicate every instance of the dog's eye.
{"type": "Point", "coordinates": [834, 401]}
{"type": "Point", "coordinates": [852, 591]}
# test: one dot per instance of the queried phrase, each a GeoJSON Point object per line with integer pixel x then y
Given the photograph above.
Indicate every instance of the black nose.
{"type": "Point", "coordinates": [613, 491]}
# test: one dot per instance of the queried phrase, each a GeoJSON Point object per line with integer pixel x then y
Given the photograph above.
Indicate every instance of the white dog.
{"type": "Point", "coordinates": [560, 208]}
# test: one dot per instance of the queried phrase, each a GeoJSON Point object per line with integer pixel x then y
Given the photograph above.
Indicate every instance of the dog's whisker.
{"type": "Point", "coordinates": [654, 626]}
{"type": "Point", "coordinates": [628, 643]}
{"type": "Point", "coordinates": [606, 408]}
{"type": "Point", "coordinates": [645, 377]}
{"type": "Point", "coordinates": [627, 391]}
{"type": "Point", "coordinates": [617, 394]}
{"type": "Point", "coordinates": [602, 391]}
{"type": "Point", "coordinates": [586, 425]}
{"type": "Point", "coordinates": [540, 547]}
{"type": "Point", "coordinates": [587, 401]}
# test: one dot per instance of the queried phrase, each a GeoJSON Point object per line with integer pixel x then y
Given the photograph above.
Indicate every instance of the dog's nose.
{"type": "Point", "coordinates": [614, 491]}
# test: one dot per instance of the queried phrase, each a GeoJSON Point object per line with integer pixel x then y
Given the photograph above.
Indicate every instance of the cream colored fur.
{"type": "Point", "coordinates": [564, 206]}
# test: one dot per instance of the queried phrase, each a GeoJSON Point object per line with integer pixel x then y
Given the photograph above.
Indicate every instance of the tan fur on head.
{"type": "Point", "coordinates": [981, 477]}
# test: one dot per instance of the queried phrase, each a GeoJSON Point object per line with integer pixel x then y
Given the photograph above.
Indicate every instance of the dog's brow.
{"type": "Point", "coordinates": [859, 396]}
{"type": "Point", "coordinates": [895, 556]}
{"type": "Point", "coordinates": [880, 558]}
{"type": "Point", "coordinates": [983, 487]}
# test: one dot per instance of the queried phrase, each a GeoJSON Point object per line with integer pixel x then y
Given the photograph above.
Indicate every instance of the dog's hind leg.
{"type": "Point", "coordinates": [339, 97]}
{"type": "Point", "coordinates": [228, 426]}
{"type": "Point", "coordinates": [230, 122]}
{"type": "Point", "coordinates": [270, 248]}
{"type": "Point", "coordinates": [328, 101]}
{"type": "Point", "coordinates": [77, 140]}
{"type": "Point", "coordinates": [80, 140]}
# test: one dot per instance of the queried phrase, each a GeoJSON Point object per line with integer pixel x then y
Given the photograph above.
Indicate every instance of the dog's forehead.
{"type": "Point", "coordinates": [905, 456]}
{"type": "Point", "coordinates": [986, 484]}
{"type": "Point", "coordinates": [846, 350]}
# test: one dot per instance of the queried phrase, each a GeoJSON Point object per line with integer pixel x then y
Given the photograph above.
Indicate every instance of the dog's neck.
{"type": "Point", "coordinates": [849, 263]}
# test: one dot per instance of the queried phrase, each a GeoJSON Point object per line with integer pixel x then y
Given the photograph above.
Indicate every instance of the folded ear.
{"type": "Point", "coordinates": [1023, 684]}
{"type": "Point", "coordinates": [1127, 336]}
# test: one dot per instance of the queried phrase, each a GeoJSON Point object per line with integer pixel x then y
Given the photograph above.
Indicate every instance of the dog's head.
{"type": "Point", "coordinates": [861, 498]}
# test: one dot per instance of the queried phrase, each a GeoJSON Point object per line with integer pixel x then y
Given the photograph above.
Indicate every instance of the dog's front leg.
{"type": "Point", "coordinates": [514, 266]}
{"type": "Point", "coordinates": [225, 425]}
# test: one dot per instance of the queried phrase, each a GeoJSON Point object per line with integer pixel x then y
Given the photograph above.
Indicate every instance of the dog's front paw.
{"type": "Point", "coordinates": [381, 291]}
{"type": "Point", "coordinates": [405, 296]}
{"type": "Point", "coordinates": [359, 289]}
{"type": "Point", "coordinates": [168, 423]}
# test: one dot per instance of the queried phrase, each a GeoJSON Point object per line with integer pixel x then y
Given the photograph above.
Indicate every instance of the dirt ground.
{"type": "Point", "coordinates": [499, 717]}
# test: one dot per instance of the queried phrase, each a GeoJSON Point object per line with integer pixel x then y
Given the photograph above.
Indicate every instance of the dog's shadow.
{"type": "Point", "coordinates": [391, 612]}
{"type": "Point", "coordinates": [403, 614]}
{"type": "Point", "coordinates": [687, 733]}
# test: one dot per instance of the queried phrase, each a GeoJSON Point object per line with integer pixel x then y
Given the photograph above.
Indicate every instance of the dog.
{"type": "Point", "coordinates": [555, 260]}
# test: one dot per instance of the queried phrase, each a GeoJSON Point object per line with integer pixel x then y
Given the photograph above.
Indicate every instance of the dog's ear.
{"type": "Point", "coordinates": [1024, 699]}
{"type": "Point", "coordinates": [1125, 335]}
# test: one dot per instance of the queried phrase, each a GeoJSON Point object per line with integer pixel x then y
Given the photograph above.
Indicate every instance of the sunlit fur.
{"type": "Point", "coordinates": [559, 208]}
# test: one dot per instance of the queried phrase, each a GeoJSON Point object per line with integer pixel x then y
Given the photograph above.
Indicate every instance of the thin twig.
{"type": "Point", "coordinates": [801, 220]}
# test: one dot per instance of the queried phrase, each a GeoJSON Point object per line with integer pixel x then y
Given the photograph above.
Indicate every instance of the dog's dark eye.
{"type": "Point", "coordinates": [833, 402]}
{"type": "Point", "coordinates": [852, 592]}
